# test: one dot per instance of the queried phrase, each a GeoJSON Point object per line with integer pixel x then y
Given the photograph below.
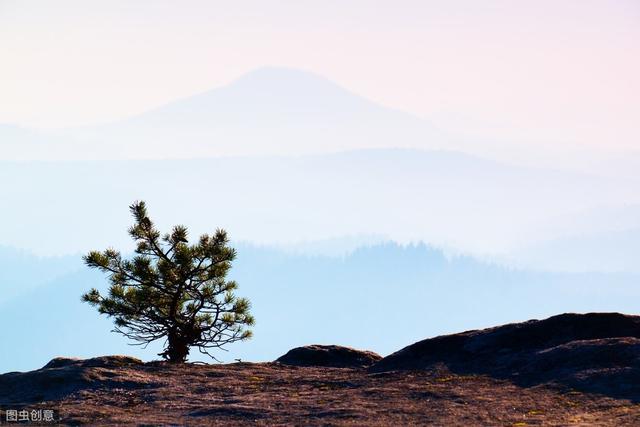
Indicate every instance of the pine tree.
{"type": "Point", "coordinates": [172, 290]}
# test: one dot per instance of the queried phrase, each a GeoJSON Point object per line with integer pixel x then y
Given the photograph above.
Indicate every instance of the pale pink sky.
{"type": "Point", "coordinates": [550, 72]}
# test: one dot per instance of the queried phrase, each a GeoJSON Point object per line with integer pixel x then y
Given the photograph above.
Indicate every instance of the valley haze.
{"type": "Point", "coordinates": [403, 293]}
{"type": "Point", "coordinates": [367, 201]}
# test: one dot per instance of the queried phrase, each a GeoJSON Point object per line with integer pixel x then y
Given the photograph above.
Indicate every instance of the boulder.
{"type": "Point", "coordinates": [333, 356]}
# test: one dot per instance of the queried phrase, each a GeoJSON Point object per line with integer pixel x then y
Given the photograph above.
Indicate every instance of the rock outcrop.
{"type": "Point", "coordinates": [63, 376]}
{"type": "Point", "coordinates": [597, 352]}
{"type": "Point", "coordinates": [333, 356]}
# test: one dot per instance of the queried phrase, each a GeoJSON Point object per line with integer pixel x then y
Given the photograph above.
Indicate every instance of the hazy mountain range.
{"type": "Point", "coordinates": [21, 271]}
{"type": "Point", "coordinates": [447, 199]}
{"type": "Point", "coordinates": [608, 251]}
{"type": "Point", "coordinates": [377, 297]}
{"type": "Point", "coordinates": [281, 111]}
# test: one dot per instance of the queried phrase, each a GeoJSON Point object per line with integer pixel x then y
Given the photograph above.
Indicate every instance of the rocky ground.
{"type": "Point", "coordinates": [571, 370]}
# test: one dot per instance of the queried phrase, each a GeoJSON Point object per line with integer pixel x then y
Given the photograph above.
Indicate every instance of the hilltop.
{"type": "Point", "coordinates": [566, 369]}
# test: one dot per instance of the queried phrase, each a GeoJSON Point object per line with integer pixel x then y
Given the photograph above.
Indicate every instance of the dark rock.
{"type": "Point", "coordinates": [103, 361]}
{"type": "Point", "coordinates": [498, 345]}
{"type": "Point", "coordinates": [591, 351]}
{"type": "Point", "coordinates": [64, 376]}
{"type": "Point", "coordinates": [334, 356]}
{"type": "Point", "coordinates": [608, 353]}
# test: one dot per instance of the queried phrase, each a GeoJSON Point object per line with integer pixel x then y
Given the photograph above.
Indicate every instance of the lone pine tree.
{"type": "Point", "coordinates": [172, 290]}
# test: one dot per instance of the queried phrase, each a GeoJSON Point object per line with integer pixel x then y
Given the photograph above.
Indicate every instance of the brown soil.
{"type": "Point", "coordinates": [109, 391]}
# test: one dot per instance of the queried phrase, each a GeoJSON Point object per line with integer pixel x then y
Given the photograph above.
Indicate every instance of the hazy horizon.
{"type": "Point", "coordinates": [439, 294]}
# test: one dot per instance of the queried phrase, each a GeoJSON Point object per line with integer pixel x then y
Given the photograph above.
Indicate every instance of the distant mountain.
{"type": "Point", "coordinates": [282, 111]}
{"type": "Point", "coordinates": [447, 198]}
{"type": "Point", "coordinates": [336, 246]}
{"type": "Point", "coordinates": [611, 251]}
{"type": "Point", "coordinates": [21, 271]}
{"type": "Point", "coordinates": [268, 111]}
{"type": "Point", "coordinates": [604, 238]}
{"type": "Point", "coordinates": [23, 144]}
{"type": "Point", "coordinates": [602, 219]}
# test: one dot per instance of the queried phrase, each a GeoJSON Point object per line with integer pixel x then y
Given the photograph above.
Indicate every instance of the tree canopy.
{"type": "Point", "coordinates": [172, 290]}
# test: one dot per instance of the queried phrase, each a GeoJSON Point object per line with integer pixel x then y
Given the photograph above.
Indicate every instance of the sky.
{"type": "Point", "coordinates": [545, 72]}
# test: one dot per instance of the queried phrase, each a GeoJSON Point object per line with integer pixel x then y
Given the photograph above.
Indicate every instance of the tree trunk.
{"type": "Point", "coordinates": [178, 348]}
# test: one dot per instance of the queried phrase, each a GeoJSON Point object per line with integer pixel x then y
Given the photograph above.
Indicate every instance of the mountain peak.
{"type": "Point", "coordinates": [295, 88]}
